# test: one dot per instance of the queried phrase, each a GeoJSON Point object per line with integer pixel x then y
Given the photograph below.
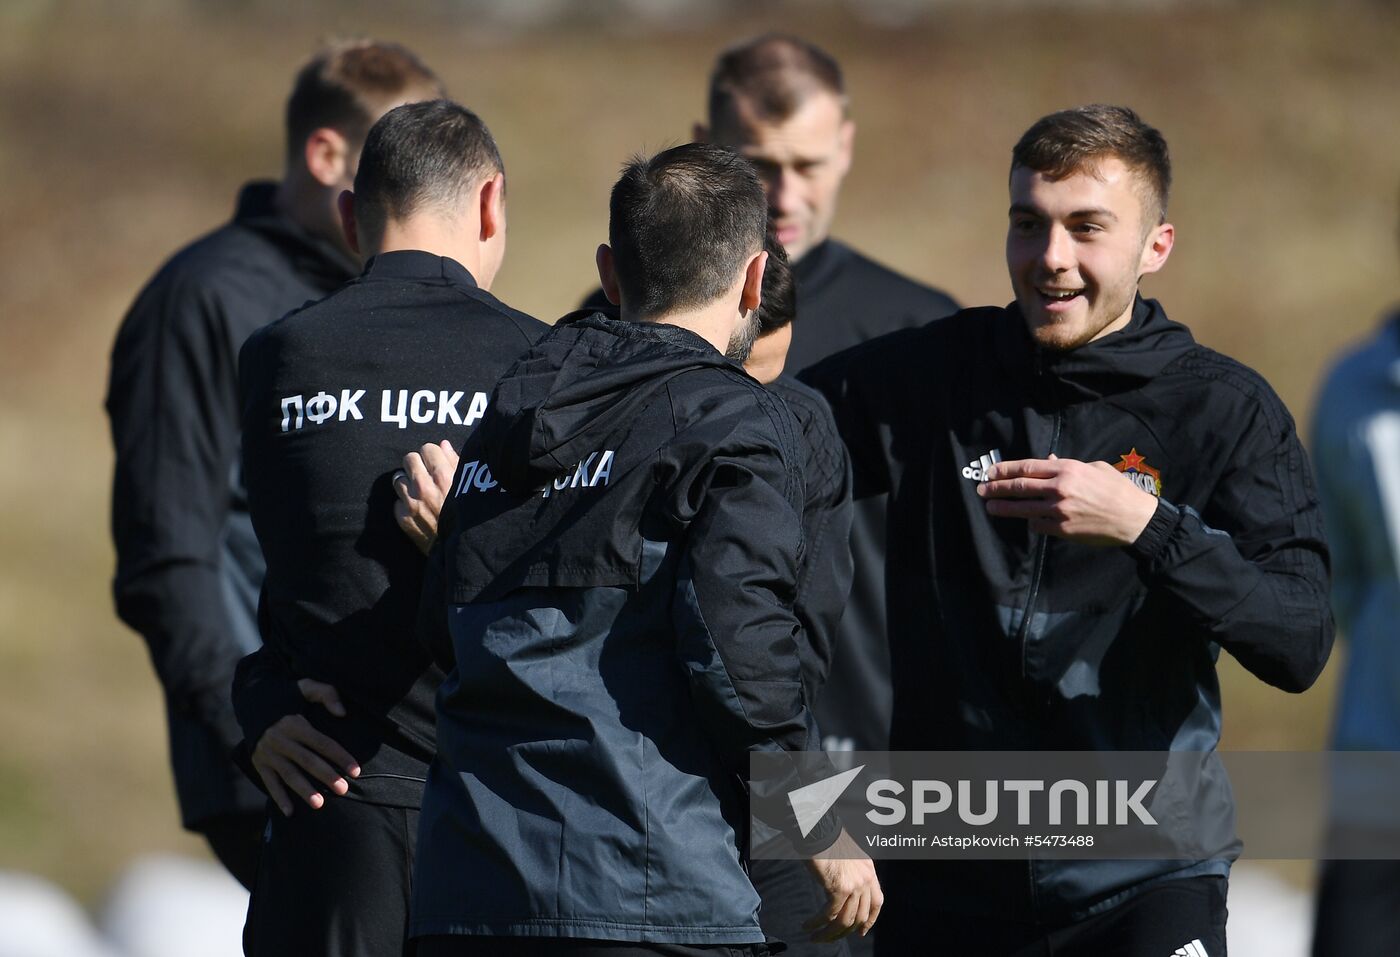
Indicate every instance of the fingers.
{"type": "Point", "coordinates": [1028, 468]}
{"type": "Point", "coordinates": [323, 694]}
{"type": "Point", "coordinates": [877, 903]}
{"type": "Point", "coordinates": [440, 464]}
{"type": "Point", "coordinates": [1018, 487]}
{"type": "Point", "coordinates": [274, 787]}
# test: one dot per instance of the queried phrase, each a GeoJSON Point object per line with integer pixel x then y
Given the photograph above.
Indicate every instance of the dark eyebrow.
{"type": "Point", "coordinates": [1093, 212]}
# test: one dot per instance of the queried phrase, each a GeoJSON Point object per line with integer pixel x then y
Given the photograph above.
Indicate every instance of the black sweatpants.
{"type": "Point", "coordinates": [1176, 918]}
{"type": "Point", "coordinates": [236, 840]}
{"type": "Point", "coordinates": [333, 882]}
{"type": "Point", "coordinates": [791, 896]}
{"type": "Point", "coordinates": [1358, 909]}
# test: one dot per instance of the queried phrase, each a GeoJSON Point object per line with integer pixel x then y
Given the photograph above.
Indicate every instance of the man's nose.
{"type": "Point", "coordinates": [784, 191]}
{"type": "Point", "coordinates": [1058, 254]}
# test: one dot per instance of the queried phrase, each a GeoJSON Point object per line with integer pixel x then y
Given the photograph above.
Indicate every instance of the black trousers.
{"type": "Point", "coordinates": [1358, 909]}
{"type": "Point", "coordinates": [465, 945]}
{"type": "Point", "coordinates": [236, 840]}
{"type": "Point", "coordinates": [791, 896]}
{"type": "Point", "coordinates": [1179, 917]}
{"type": "Point", "coordinates": [333, 882]}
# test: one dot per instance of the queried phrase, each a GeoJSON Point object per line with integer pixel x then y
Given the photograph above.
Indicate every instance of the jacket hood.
{"type": "Point", "coordinates": [579, 388]}
{"type": "Point", "coordinates": [1119, 361]}
{"type": "Point", "coordinates": [310, 255]}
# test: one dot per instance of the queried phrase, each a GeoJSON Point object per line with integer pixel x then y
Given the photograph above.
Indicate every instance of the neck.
{"type": "Point", "coordinates": [312, 207]}
{"type": "Point", "coordinates": [765, 363]}
{"type": "Point", "coordinates": [441, 236]}
{"type": "Point", "coordinates": [714, 322]}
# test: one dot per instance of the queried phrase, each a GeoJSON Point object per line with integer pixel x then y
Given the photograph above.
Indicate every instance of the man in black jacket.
{"type": "Point", "coordinates": [188, 567]}
{"type": "Point", "coordinates": [332, 394]}
{"type": "Point", "coordinates": [1081, 520]}
{"type": "Point", "coordinates": [781, 101]}
{"type": "Point", "coordinates": [619, 561]}
{"type": "Point", "coordinates": [789, 893]}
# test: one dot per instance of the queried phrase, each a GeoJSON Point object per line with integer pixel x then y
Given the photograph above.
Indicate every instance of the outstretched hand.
{"type": "Point", "coordinates": [1088, 502]}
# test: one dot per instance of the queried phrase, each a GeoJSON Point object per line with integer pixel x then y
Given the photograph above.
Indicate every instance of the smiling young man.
{"type": "Point", "coordinates": [1087, 507]}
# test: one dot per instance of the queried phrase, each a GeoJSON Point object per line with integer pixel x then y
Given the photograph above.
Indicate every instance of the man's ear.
{"type": "Point", "coordinates": [847, 139]}
{"type": "Point", "coordinates": [327, 156]}
{"type": "Point", "coordinates": [700, 133]}
{"type": "Point", "coordinates": [752, 293]}
{"type": "Point", "coordinates": [1157, 248]}
{"type": "Point", "coordinates": [492, 206]}
{"type": "Point", "coordinates": [345, 203]}
{"type": "Point", "coordinates": [607, 274]}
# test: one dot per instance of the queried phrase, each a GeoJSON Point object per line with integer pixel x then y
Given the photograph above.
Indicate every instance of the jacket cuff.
{"type": "Point", "coordinates": [820, 837]}
{"type": "Point", "coordinates": [262, 704]}
{"type": "Point", "coordinates": [1153, 539]}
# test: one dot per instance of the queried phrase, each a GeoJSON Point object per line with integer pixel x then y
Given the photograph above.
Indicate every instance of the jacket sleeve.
{"type": "Point", "coordinates": [1251, 571]}
{"type": "Point", "coordinates": [871, 389]}
{"type": "Point", "coordinates": [736, 632]}
{"type": "Point", "coordinates": [824, 575]}
{"type": "Point", "coordinates": [172, 403]}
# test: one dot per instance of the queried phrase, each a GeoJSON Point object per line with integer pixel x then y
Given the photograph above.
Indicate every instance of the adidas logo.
{"type": "Point", "coordinates": [1193, 949]}
{"type": "Point", "coordinates": [977, 469]}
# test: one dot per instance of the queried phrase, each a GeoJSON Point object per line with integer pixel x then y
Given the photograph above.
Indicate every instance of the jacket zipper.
{"type": "Point", "coordinates": [1040, 546]}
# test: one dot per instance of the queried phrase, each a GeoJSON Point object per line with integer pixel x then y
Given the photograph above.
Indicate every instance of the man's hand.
{"type": "Point", "coordinates": [853, 891]}
{"type": "Point", "coordinates": [422, 486]}
{"type": "Point", "coordinates": [1088, 502]}
{"type": "Point", "coordinates": [292, 749]}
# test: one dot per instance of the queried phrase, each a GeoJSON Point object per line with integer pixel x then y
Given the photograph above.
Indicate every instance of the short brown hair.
{"type": "Point", "coordinates": [1067, 142]}
{"type": "Point", "coordinates": [775, 72]}
{"type": "Point", "coordinates": [681, 225]}
{"type": "Point", "coordinates": [429, 153]}
{"type": "Point", "coordinates": [347, 85]}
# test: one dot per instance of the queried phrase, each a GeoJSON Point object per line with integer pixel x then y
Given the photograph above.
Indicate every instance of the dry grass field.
{"type": "Point", "coordinates": [123, 136]}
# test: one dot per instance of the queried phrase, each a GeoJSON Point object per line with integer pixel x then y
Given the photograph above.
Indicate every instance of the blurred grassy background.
{"type": "Point", "coordinates": [125, 130]}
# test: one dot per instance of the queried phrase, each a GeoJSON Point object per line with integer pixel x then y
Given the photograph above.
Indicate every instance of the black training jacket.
{"type": "Point", "coordinates": [617, 573]}
{"type": "Point", "coordinates": [844, 299]}
{"type": "Point", "coordinates": [334, 395]}
{"type": "Point", "coordinates": [188, 567]}
{"type": "Point", "coordinates": [1006, 640]}
{"type": "Point", "coordinates": [824, 574]}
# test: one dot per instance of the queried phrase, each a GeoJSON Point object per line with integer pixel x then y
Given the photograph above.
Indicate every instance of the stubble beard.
{"type": "Point", "coordinates": [742, 339]}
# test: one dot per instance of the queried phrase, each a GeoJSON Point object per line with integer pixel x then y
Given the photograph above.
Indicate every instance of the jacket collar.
{"type": "Point", "coordinates": [322, 261]}
{"type": "Point", "coordinates": [414, 264]}
{"type": "Point", "coordinates": [1119, 361]}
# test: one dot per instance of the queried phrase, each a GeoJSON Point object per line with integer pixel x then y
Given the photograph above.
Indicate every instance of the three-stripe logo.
{"type": "Point", "coordinates": [1193, 949]}
{"type": "Point", "coordinates": [976, 470]}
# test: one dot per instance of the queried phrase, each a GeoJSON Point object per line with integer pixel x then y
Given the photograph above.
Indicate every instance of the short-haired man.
{"type": "Point", "coordinates": [781, 102]}
{"type": "Point", "coordinates": [1081, 520]}
{"type": "Point", "coordinates": [188, 567]}
{"type": "Point", "coordinates": [790, 895]}
{"type": "Point", "coordinates": [339, 699]}
{"type": "Point", "coordinates": [620, 559]}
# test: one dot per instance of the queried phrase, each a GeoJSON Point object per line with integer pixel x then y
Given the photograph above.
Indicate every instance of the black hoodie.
{"type": "Point", "coordinates": [619, 562]}
{"type": "Point", "coordinates": [188, 565]}
{"type": "Point", "coordinates": [1006, 640]}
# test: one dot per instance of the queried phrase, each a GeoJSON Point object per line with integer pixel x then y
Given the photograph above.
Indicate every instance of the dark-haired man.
{"type": "Point", "coordinates": [338, 703]}
{"type": "Point", "coordinates": [790, 895]}
{"type": "Point", "coordinates": [619, 561]}
{"type": "Point", "coordinates": [781, 101]}
{"type": "Point", "coordinates": [1080, 522]}
{"type": "Point", "coordinates": [188, 567]}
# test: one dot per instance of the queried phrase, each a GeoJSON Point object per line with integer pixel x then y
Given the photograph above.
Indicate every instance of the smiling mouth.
{"type": "Point", "coordinates": [1058, 295]}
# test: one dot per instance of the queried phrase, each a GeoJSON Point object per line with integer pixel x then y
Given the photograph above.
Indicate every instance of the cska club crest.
{"type": "Point", "coordinates": [1143, 475]}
